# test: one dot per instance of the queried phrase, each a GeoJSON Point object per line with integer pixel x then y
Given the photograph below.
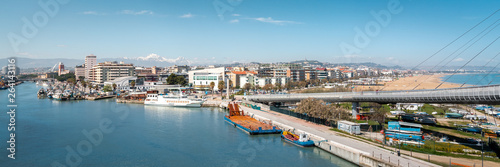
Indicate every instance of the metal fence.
{"type": "Point", "coordinates": [305, 117]}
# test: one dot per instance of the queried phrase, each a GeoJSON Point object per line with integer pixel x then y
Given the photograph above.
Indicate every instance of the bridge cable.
{"type": "Point", "coordinates": [468, 62]}
{"type": "Point", "coordinates": [482, 69]}
{"type": "Point", "coordinates": [449, 43]}
{"type": "Point", "coordinates": [451, 60]}
{"type": "Point", "coordinates": [489, 72]}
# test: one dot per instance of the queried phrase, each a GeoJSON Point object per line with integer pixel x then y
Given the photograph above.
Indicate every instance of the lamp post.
{"type": "Point", "coordinates": [399, 137]}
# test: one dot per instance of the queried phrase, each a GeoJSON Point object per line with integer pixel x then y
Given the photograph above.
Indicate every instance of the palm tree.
{"type": "Point", "coordinates": [212, 85]}
{"type": "Point", "coordinates": [221, 87]}
{"type": "Point", "coordinates": [132, 84]}
{"type": "Point", "coordinates": [114, 86]}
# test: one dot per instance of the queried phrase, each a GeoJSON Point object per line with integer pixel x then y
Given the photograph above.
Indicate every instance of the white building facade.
{"type": "Point", "coordinates": [90, 61]}
{"type": "Point", "coordinates": [201, 79]}
{"type": "Point", "coordinates": [109, 71]}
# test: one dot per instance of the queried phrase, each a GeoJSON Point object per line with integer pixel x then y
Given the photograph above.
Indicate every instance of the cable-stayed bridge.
{"type": "Point", "coordinates": [465, 95]}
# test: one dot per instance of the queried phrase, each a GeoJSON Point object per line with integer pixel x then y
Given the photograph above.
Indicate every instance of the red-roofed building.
{"type": "Point", "coordinates": [234, 76]}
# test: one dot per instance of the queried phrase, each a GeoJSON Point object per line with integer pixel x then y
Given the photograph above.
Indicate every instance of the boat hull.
{"type": "Point", "coordinates": [247, 130]}
{"type": "Point", "coordinates": [195, 105]}
{"type": "Point", "coordinates": [308, 143]}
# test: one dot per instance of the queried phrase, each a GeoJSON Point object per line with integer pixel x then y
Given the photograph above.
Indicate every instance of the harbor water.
{"type": "Point", "coordinates": [106, 133]}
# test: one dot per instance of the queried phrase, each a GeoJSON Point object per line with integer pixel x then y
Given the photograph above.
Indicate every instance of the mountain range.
{"type": "Point", "coordinates": [147, 61]}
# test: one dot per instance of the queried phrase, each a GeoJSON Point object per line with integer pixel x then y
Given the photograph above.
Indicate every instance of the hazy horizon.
{"type": "Point", "coordinates": [384, 32]}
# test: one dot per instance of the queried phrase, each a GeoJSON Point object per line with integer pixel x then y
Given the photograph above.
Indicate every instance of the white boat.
{"type": "Point", "coordinates": [153, 98]}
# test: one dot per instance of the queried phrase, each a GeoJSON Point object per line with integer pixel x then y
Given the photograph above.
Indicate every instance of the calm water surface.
{"type": "Point", "coordinates": [473, 79]}
{"type": "Point", "coordinates": [50, 132]}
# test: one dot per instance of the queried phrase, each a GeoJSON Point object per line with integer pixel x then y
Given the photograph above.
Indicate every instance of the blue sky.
{"type": "Point", "coordinates": [254, 30]}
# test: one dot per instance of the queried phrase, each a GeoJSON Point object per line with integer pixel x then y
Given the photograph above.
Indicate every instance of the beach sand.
{"type": "Point", "coordinates": [408, 83]}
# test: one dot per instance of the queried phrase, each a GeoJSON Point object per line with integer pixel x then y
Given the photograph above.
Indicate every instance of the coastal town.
{"type": "Point", "coordinates": [238, 83]}
{"type": "Point", "coordinates": [441, 130]}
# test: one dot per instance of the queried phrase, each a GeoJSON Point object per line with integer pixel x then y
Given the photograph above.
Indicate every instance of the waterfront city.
{"type": "Point", "coordinates": [250, 83]}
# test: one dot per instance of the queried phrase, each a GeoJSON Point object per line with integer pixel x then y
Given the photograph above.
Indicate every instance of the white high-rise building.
{"type": "Point", "coordinates": [109, 71]}
{"type": "Point", "coordinates": [90, 61]}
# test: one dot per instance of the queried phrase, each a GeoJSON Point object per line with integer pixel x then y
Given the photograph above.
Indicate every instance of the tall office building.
{"type": "Point", "coordinates": [90, 61]}
{"type": "Point", "coordinates": [60, 70]}
{"type": "Point", "coordinates": [109, 71]}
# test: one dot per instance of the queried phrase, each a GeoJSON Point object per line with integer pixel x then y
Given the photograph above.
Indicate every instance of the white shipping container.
{"type": "Point", "coordinates": [349, 127]}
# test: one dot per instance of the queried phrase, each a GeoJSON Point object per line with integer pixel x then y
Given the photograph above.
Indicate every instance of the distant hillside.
{"type": "Point", "coordinates": [307, 62]}
{"type": "Point", "coordinates": [148, 61]}
{"type": "Point", "coordinates": [368, 64]}
{"type": "Point", "coordinates": [36, 63]}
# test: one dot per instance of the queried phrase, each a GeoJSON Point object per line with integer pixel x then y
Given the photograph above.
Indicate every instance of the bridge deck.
{"type": "Point", "coordinates": [466, 95]}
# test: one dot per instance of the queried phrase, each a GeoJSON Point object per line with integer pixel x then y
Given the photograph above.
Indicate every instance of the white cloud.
{"type": "Point", "coordinates": [234, 21]}
{"type": "Point", "coordinates": [390, 58]}
{"type": "Point", "coordinates": [189, 15]}
{"type": "Point", "coordinates": [271, 20]}
{"type": "Point", "coordinates": [92, 13]}
{"type": "Point", "coordinates": [61, 46]}
{"type": "Point", "coordinates": [458, 59]}
{"type": "Point", "coordinates": [236, 15]}
{"type": "Point", "coordinates": [29, 55]}
{"type": "Point", "coordinates": [132, 12]}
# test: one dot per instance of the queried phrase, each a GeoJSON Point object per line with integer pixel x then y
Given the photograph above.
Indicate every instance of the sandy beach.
{"type": "Point", "coordinates": [408, 83]}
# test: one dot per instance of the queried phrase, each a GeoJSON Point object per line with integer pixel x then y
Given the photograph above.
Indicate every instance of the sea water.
{"type": "Point", "coordinates": [106, 133]}
{"type": "Point", "coordinates": [473, 79]}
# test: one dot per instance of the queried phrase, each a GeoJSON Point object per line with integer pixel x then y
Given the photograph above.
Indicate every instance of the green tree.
{"type": "Point", "coordinates": [107, 88]}
{"type": "Point", "coordinates": [81, 78]}
{"type": "Point", "coordinates": [302, 84]}
{"type": "Point", "coordinates": [180, 80]}
{"type": "Point", "coordinates": [378, 114]}
{"type": "Point", "coordinates": [212, 85]}
{"type": "Point", "coordinates": [277, 85]}
{"type": "Point", "coordinates": [221, 87]}
{"type": "Point", "coordinates": [71, 81]}
{"type": "Point", "coordinates": [84, 84]}
{"type": "Point", "coordinates": [268, 87]}
{"type": "Point", "coordinates": [114, 86]}
{"type": "Point", "coordinates": [172, 79]}
{"type": "Point", "coordinates": [247, 86]}
{"type": "Point", "coordinates": [132, 84]}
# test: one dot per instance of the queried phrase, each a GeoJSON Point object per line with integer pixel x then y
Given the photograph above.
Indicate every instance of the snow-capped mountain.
{"type": "Point", "coordinates": [157, 58]}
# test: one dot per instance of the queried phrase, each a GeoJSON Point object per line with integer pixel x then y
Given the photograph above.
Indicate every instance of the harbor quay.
{"type": "Point", "coordinates": [354, 151]}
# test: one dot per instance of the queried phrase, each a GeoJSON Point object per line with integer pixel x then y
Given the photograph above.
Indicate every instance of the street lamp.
{"type": "Point", "coordinates": [399, 141]}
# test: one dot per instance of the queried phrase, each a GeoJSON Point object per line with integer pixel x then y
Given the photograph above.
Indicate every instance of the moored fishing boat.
{"type": "Point", "coordinates": [248, 124]}
{"type": "Point", "coordinates": [41, 93]}
{"type": "Point", "coordinates": [301, 140]}
{"type": "Point", "coordinates": [60, 96]}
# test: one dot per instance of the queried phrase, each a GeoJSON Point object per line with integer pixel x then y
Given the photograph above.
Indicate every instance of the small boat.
{"type": "Point", "coordinates": [453, 115]}
{"type": "Point", "coordinates": [301, 140]}
{"type": "Point", "coordinates": [59, 96]}
{"type": "Point", "coordinates": [473, 129]}
{"type": "Point", "coordinates": [41, 93]}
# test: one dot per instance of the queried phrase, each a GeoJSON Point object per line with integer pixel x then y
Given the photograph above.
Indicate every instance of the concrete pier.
{"type": "Point", "coordinates": [355, 151]}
